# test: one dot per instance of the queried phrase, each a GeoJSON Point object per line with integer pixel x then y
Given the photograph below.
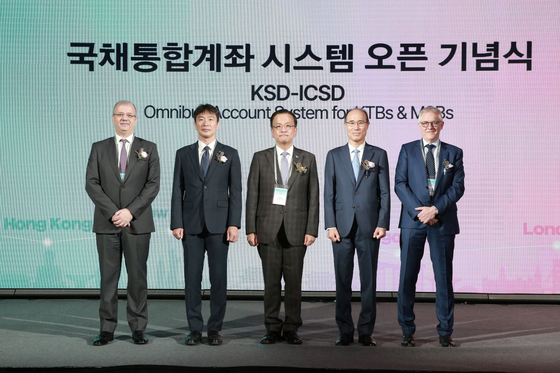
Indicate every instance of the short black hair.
{"type": "Point", "coordinates": [206, 107]}
{"type": "Point", "coordinates": [283, 111]}
{"type": "Point", "coordinates": [356, 108]}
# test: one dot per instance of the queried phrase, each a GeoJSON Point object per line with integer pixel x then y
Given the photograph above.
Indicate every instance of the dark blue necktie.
{"type": "Point", "coordinates": [205, 161]}
{"type": "Point", "coordinates": [430, 162]}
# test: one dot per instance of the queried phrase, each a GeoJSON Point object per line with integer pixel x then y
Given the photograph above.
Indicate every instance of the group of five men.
{"type": "Point", "coordinates": [282, 219]}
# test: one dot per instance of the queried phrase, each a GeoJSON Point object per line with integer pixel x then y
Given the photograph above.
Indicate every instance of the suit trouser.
{"type": "Point", "coordinates": [110, 248]}
{"type": "Point", "coordinates": [412, 243]}
{"type": "Point", "coordinates": [194, 247]}
{"type": "Point", "coordinates": [279, 259]}
{"type": "Point", "coordinates": [367, 249]}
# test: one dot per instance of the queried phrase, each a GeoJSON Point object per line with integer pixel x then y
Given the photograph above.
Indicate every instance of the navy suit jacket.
{"type": "Point", "coordinates": [214, 201]}
{"type": "Point", "coordinates": [411, 186]}
{"type": "Point", "coordinates": [136, 192]}
{"type": "Point", "coordinates": [368, 198]}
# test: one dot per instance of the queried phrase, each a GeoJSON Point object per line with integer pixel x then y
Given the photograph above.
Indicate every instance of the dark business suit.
{"type": "Point", "coordinates": [205, 208]}
{"type": "Point", "coordinates": [109, 194]}
{"type": "Point", "coordinates": [281, 231]}
{"type": "Point", "coordinates": [411, 186]}
{"type": "Point", "coordinates": [355, 208]}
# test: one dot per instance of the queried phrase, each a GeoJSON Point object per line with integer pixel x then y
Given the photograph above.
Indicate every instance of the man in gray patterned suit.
{"type": "Point", "coordinates": [282, 220]}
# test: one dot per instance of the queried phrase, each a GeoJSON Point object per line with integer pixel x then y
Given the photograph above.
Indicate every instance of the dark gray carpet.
{"type": "Point", "coordinates": [490, 337]}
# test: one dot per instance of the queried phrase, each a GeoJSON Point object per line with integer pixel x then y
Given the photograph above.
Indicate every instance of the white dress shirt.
{"type": "Point", "coordinates": [119, 144]}
{"type": "Point", "coordinates": [360, 148]}
{"type": "Point", "coordinates": [435, 152]}
{"type": "Point", "coordinates": [201, 147]}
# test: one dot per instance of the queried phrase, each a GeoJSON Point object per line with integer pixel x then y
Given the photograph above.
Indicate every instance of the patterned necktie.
{"type": "Point", "coordinates": [124, 158]}
{"type": "Point", "coordinates": [430, 162]}
{"type": "Point", "coordinates": [284, 168]}
{"type": "Point", "coordinates": [205, 161]}
{"type": "Point", "coordinates": [356, 163]}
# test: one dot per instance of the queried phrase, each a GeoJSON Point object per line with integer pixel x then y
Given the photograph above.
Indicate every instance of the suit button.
{"type": "Point", "coordinates": [353, 207]}
{"type": "Point", "coordinates": [356, 193]}
{"type": "Point", "coordinates": [205, 187]}
{"type": "Point", "coordinates": [281, 212]}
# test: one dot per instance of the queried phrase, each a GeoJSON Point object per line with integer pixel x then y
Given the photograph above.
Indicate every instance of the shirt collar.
{"type": "Point", "coordinates": [290, 151]}
{"type": "Point", "coordinates": [129, 139]}
{"type": "Point", "coordinates": [202, 145]}
{"type": "Point", "coordinates": [361, 147]}
{"type": "Point", "coordinates": [436, 143]}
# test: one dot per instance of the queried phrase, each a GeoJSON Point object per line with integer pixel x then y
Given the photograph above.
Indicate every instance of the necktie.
{"type": "Point", "coordinates": [284, 168]}
{"type": "Point", "coordinates": [205, 161]}
{"type": "Point", "coordinates": [356, 163]}
{"type": "Point", "coordinates": [124, 158]}
{"type": "Point", "coordinates": [430, 162]}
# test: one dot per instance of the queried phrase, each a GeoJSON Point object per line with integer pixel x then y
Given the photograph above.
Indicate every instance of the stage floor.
{"type": "Point", "coordinates": [490, 337]}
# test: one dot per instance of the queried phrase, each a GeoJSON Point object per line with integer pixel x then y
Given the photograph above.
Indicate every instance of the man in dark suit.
{"type": "Point", "coordinates": [206, 215]}
{"type": "Point", "coordinates": [122, 180]}
{"type": "Point", "coordinates": [282, 220]}
{"type": "Point", "coordinates": [429, 181]}
{"type": "Point", "coordinates": [357, 206]}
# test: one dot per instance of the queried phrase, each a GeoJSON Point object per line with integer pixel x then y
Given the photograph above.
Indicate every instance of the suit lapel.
{"type": "Point", "coordinates": [213, 161]}
{"type": "Point", "coordinates": [193, 155]}
{"type": "Point", "coordinates": [112, 151]}
{"type": "Point", "coordinates": [368, 155]}
{"type": "Point", "coordinates": [344, 155]}
{"type": "Point", "coordinates": [418, 159]}
{"type": "Point", "coordinates": [443, 155]}
{"type": "Point", "coordinates": [269, 155]}
{"type": "Point", "coordinates": [133, 156]}
{"type": "Point", "coordinates": [296, 158]}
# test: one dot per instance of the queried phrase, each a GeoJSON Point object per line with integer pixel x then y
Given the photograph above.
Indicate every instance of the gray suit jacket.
{"type": "Point", "coordinates": [136, 192]}
{"type": "Point", "coordinates": [301, 213]}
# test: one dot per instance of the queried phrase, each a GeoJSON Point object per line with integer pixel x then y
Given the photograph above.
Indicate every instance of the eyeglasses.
{"type": "Point", "coordinates": [284, 127]}
{"type": "Point", "coordinates": [120, 115]}
{"type": "Point", "coordinates": [360, 124]}
{"type": "Point", "coordinates": [434, 124]}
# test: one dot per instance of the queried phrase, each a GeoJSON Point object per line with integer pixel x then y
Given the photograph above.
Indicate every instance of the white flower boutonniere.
{"type": "Point", "coordinates": [220, 157]}
{"type": "Point", "coordinates": [141, 154]}
{"type": "Point", "coordinates": [446, 166]}
{"type": "Point", "coordinates": [368, 166]}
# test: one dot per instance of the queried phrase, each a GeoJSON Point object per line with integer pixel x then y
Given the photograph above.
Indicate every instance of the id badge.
{"type": "Point", "coordinates": [280, 196]}
{"type": "Point", "coordinates": [432, 186]}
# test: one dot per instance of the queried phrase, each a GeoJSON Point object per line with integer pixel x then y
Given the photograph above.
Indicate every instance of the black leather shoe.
{"type": "Point", "coordinates": [103, 338]}
{"type": "Point", "coordinates": [193, 338]}
{"type": "Point", "coordinates": [408, 340]}
{"type": "Point", "coordinates": [271, 338]}
{"type": "Point", "coordinates": [214, 338]}
{"type": "Point", "coordinates": [366, 340]}
{"type": "Point", "coordinates": [292, 338]}
{"type": "Point", "coordinates": [446, 341]}
{"type": "Point", "coordinates": [344, 340]}
{"type": "Point", "coordinates": [139, 338]}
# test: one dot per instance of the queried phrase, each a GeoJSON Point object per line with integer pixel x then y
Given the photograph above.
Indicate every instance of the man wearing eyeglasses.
{"type": "Point", "coordinates": [282, 220]}
{"type": "Point", "coordinates": [429, 181]}
{"type": "Point", "coordinates": [357, 206]}
{"type": "Point", "coordinates": [122, 180]}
